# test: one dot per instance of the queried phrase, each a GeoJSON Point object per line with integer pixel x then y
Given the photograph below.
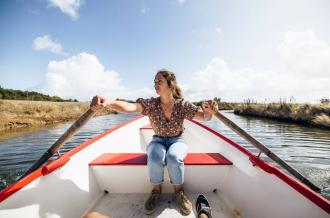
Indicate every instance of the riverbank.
{"type": "Point", "coordinates": [18, 114]}
{"type": "Point", "coordinates": [314, 115]}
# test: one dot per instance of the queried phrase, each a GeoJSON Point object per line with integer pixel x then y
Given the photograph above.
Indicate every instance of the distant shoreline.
{"type": "Point", "coordinates": [20, 114]}
{"type": "Point", "coordinates": [311, 115]}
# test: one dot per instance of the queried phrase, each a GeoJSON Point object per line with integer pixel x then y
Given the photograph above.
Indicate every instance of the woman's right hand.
{"type": "Point", "coordinates": [97, 103]}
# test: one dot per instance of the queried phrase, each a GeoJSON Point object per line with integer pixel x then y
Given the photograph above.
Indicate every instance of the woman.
{"type": "Point", "coordinates": [166, 113]}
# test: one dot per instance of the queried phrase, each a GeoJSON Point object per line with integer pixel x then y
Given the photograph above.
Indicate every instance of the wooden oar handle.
{"type": "Point", "coordinates": [242, 133]}
{"type": "Point", "coordinates": [72, 130]}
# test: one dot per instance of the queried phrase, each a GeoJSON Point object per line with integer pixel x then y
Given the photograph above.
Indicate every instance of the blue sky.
{"type": "Point", "coordinates": [231, 49]}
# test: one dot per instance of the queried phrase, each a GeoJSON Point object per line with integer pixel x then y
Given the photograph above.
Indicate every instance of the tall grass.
{"type": "Point", "coordinates": [16, 114]}
{"type": "Point", "coordinates": [317, 115]}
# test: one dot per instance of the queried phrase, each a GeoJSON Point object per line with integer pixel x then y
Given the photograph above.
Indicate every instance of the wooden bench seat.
{"type": "Point", "coordinates": [128, 173]}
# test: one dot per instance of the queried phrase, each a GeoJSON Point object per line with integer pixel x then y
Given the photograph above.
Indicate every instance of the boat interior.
{"type": "Point", "coordinates": [108, 175]}
{"type": "Point", "coordinates": [125, 195]}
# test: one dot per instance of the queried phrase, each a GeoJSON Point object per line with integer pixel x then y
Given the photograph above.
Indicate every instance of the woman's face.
{"type": "Point", "coordinates": [161, 85]}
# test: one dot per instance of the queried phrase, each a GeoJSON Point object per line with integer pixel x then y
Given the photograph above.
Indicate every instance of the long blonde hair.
{"type": "Point", "coordinates": [171, 82]}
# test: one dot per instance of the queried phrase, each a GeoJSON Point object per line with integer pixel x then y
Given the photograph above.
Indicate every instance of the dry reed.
{"type": "Point", "coordinates": [15, 114]}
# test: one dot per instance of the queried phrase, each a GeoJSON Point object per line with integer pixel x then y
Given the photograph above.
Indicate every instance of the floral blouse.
{"type": "Point", "coordinates": [160, 123]}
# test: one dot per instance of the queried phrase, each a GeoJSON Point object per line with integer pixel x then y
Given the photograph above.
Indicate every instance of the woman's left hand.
{"type": "Point", "coordinates": [210, 106]}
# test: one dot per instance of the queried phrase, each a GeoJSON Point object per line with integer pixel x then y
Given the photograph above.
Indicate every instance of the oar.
{"type": "Point", "coordinates": [265, 150]}
{"type": "Point", "coordinates": [61, 141]}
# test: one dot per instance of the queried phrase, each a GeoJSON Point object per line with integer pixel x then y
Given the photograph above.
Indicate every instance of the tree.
{"type": "Point", "coordinates": [28, 95]}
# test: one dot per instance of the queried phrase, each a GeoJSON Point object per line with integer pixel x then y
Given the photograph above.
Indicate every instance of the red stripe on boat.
{"type": "Point", "coordinates": [5, 193]}
{"type": "Point", "coordinates": [53, 165]}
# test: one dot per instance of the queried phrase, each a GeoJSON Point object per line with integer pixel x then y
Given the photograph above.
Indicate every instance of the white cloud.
{"type": "Point", "coordinates": [46, 43]}
{"type": "Point", "coordinates": [218, 30]}
{"type": "Point", "coordinates": [306, 77]}
{"type": "Point", "coordinates": [304, 54]}
{"type": "Point", "coordinates": [217, 79]}
{"type": "Point", "coordinates": [69, 7]}
{"type": "Point", "coordinates": [81, 77]}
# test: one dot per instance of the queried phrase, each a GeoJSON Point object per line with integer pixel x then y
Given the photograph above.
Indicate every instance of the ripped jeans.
{"type": "Point", "coordinates": [168, 151]}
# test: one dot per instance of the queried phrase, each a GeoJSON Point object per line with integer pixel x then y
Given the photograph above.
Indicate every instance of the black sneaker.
{"type": "Point", "coordinates": [203, 206]}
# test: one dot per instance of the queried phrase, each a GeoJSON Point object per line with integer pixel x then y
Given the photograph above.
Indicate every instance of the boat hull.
{"type": "Point", "coordinates": [248, 188]}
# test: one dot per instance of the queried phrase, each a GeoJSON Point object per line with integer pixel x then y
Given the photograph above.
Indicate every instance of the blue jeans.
{"type": "Point", "coordinates": [170, 151]}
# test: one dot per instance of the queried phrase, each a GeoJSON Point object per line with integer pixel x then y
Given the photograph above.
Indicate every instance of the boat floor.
{"type": "Point", "coordinates": [132, 205]}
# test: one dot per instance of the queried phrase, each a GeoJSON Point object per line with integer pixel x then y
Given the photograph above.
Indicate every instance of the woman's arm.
{"type": "Point", "coordinates": [208, 109]}
{"type": "Point", "coordinates": [119, 106]}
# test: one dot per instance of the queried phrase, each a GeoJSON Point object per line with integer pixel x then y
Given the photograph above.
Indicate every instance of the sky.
{"type": "Point", "coordinates": [233, 49]}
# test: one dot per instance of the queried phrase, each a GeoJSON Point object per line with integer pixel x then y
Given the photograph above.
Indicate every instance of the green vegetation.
{"type": "Point", "coordinates": [317, 115]}
{"type": "Point", "coordinates": [13, 94]}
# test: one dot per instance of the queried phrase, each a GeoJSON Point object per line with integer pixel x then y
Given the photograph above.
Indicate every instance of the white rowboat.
{"type": "Point", "coordinates": [108, 174]}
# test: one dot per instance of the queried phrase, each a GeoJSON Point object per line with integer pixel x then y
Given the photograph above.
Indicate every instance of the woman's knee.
{"type": "Point", "coordinates": [156, 154]}
{"type": "Point", "coordinates": [176, 153]}
{"type": "Point", "coordinates": [172, 157]}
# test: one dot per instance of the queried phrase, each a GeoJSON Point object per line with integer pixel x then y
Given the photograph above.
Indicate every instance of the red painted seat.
{"type": "Point", "coordinates": [141, 159]}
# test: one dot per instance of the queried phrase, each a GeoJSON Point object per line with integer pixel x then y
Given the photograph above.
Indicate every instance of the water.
{"type": "Point", "coordinates": [305, 149]}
